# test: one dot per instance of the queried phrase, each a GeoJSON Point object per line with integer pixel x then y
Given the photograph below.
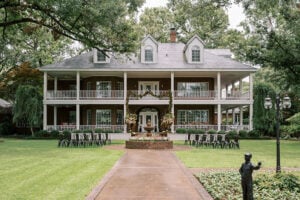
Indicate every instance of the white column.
{"type": "Point", "coordinates": [77, 85]}
{"type": "Point", "coordinates": [219, 117]}
{"type": "Point", "coordinates": [125, 98]}
{"type": "Point", "coordinates": [45, 117]}
{"type": "Point", "coordinates": [45, 98]}
{"type": "Point", "coordinates": [241, 86]}
{"type": "Point", "coordinates": [172, 91]}
{"type": "Point", "coordinates": [251, 101]}
{"type": "Point", "coordinates": [45, 85]}
{"type": "Point", "coordinates": [233, 116]}
{"type": "Point", "coordinates": [219, 86]}
{"type": "Point", "coordinates": [77, 116]}
{"type": "Point", "coordinates": [55, 84]}
{"type": "Point", "coordinates": [55, 116]}
{"type": "Point", "coordinates": [251, 116]}
{"type": "Point", "coordinates": [241, 115]}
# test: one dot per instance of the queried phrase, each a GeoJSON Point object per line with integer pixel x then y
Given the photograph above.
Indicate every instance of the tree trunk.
{"type": "Point", "coordinates": [31, 129]}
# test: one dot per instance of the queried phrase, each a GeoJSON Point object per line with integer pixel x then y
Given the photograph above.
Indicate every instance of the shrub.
{"type": "Point", "coordinates": [222, 132]}
{"type": "Point", "coordinates": [243, 133]}
{"type": "Point", "coordinates": [118, 131]}
{"type": "Point", "coordinates": [87, 131]}
{"type": "Point", "coordinates": [232, 134]}
{"type": "Point", "coordinates": [191, 131]}
{"type": "Point", "coordinates": [99, 130]}
{"type": "Point", "coordinates": [67, 134]}
{"type": "Point", "coordinates": [200, 131]}
{"type": "Point", "coordinates": [254, 133]}
{"type": "Point", "coordinates": [77, 131]}
{"type": "Point", "coordinates": [108, 131]}
{"type": "Point", "coordinates": [181, 130]}
{"type": "Point", "coordinates": [6, 127]}
{"type": "Point", "coordinates": [54, 133]}
{"type": "Point", "coordinates": [212, 131]}
{"type": "Point", "coordinates": [41, 134]}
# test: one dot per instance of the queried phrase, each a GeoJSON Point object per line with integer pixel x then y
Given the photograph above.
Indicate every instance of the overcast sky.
{"type": "Point", "coordinates": [235, 12]}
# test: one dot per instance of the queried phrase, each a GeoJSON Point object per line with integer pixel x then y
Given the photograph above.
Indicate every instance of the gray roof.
{"type": "Point", "coordinates": [170, 56]}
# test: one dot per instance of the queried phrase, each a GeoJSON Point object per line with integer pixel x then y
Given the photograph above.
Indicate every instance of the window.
{"type": "Point", "coordinates": [103, 117]}
{"type": "Point", "coordinates": [88, 117]}
{"type": "Point", "coordinates": [120, 117]}
{"type": "Point", "coordinates": [103, 88]}
{"type": "Point", "coordinates": [148, 54]}
{"type": "Point", "coordinates": [120, 86]}
{"type": "Point", "coordinates": [101, 57]}
{"type": "Point", "coordinates": [88, 86]}
{"type": "Point", "coordinates": [195, 89]}
{"type": "Point", "coordinates": [193, 117]}
{"type": "Point", "coordinates": [196, 54]}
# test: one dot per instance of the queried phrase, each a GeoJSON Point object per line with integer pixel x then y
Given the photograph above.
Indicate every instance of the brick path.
{"type": "Point", "coordinates": [149, 174]}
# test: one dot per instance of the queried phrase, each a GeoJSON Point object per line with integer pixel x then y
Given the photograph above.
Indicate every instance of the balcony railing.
{"type": "Point", "coordinates": [61, 94]}
{"type": "Point", "coordinates": [101, 94]}
{"type": "Point", "coordinates": [148, 95]}
{"type": "Point", "coordinates": [190, 94]}
{"type": "Point", "coordinates": [136, 95]}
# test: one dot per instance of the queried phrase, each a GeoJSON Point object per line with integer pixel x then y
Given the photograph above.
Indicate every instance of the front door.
{"type": "Point", "coordinates": [144, 117]}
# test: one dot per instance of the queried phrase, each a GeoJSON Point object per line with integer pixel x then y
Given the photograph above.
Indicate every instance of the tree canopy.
{"type": "Point", "coordinates": [272, 37]}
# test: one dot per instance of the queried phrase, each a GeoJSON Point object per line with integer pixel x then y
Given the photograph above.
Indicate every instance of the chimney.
{"type": "Point", "coordinates": [172, 35]}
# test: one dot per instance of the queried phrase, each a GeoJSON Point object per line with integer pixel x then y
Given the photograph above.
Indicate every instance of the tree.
{"type": "Point", "coordinates": [28, 106]}
{"type": "Point", "coordinates": [101, 24]}
{"type": "Point", "coordinates": [272, 37]}
{"type": "Point", "coordinates": [263, 119]}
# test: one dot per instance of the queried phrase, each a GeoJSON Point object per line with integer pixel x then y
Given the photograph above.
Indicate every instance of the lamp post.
{"type": "Point", "coordinates": [284, 103]}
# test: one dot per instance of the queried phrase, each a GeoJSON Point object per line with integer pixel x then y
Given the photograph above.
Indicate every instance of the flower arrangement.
{"type": "Point", "coordinates": [167, 121]}
{"type": "Point", "coordinates": [130, 120]}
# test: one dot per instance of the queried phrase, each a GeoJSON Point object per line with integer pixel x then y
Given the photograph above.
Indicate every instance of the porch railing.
{"type": "Point", "coordinates": [109, 128]}
{"type": "Point", "coordinates": [237, 96]}
{"type": "Point", "coordinates": [214, 127]}
{"type": "Point", "coordinates": [190, 94]}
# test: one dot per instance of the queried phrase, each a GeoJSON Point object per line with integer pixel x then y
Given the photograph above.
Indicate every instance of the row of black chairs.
{"type": "Point", "coordinates": [85, 139]}
{"type": "Point", "coordinates": [212, 140]}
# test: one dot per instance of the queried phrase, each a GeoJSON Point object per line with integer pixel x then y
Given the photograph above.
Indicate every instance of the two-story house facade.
{"type": "Point", "coordinates": [197, 85]}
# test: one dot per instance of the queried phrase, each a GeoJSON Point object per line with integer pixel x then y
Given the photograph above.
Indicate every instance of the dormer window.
{"type": "Point", "coordinates": [101, 57]}
{"type": "Point", "coordinates": [195, 54]}
{"type": "Point", "coordinates": [148, 54]}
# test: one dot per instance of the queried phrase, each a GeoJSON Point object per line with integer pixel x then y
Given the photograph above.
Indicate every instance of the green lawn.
{"type": "Point", "coordinates": [37, 169]}
{"type": "Point", "coordinates": [262, 150]}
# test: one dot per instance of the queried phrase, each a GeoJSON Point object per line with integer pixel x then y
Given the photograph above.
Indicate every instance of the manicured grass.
{"type": "Point", "coordinates": [37, 169]}
{"type": "Point", "coordinates": [262, 150]}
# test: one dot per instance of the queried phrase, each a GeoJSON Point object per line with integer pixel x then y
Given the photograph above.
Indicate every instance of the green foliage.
{"type": "Point", "coordinates": [54, 134]}
{"type": "Point", "coordinates": [99, 130]}
{"type": "Point", "coordinates": [263, 119]}
{"type": "Point", "coordinates": [243, 133]}
{"type": "Point", "coordinates": [6, 126]}
{"type": "Point", "coordinates": [87, 131]}
{"type": "Point", "coordinates": [191, 131]}
{"type": "Point", "coordinates": [212, 131]}
{"type": "Point", "coordinates": [28, 106]}
{"type": "Point", "coordinates": [232, 134]}
{"type": "Point", "coordinates": [42, 134]}
{"type": "Point", "coordinates": [221, 132]}
{"type": "Point", "coordinates": [66, 134]}
{"type": "Point", "coordinates": [181, 130]}
{"type": "Point", "coordinates": [226, 185]}
{"type": "Point", "coordinates": [200, 131]}
{"type": "Point", "coordinates": [118, 131]}
{"type": "Point", "coordinates": [254, 133]}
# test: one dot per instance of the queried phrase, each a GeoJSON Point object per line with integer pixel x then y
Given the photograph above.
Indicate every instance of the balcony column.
{"type": "Point", "coordinates": [45, 98]}
{"type": "Point", "coordinates": [241, 87]}
{"type": "Point", "coordinates": [241, 115]}
{"type": "Point", "coordinates": [77, 85]}
{"type": "Point", "coordinates": [251, 101]}
{"type": "Point", "coordinates": [172, 91]}
{"type": "Point", "coordinates": [55, 116]}
{"type": "Point", "coordinates": [219, 86]}
{"type": "Point", "coordinates": [77, 116]}
{"type": "Point", "coordinates": [219, 117]}
{"type": "Point", "coordinates": [125, 99]}
{"type": "Point", "coordinates": [233, 116]}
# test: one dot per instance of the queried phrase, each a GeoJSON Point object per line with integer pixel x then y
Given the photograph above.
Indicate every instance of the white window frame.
{"type": "Point", "coordinates": [107, 57]}
{"type": "Point", "coordinates": [149, 52]}
{"type": "Point", "coordinates": [197, 50]}
{"type": "Point", "coordinates": [99, 113]}
{"type": "Point", "coordinates": [186, 114]}
{"type": "Point", "coordinates": [89, 117]}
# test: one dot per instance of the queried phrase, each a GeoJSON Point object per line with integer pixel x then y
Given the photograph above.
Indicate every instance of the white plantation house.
{"type": "Point", "coordinates": [197, 85]}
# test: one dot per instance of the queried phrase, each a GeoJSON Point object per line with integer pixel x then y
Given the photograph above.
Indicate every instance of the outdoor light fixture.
{"type": "Point", "coordinates": [285, 103]}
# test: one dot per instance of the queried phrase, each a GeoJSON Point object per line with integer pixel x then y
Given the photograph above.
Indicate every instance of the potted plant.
{"type": "Point", "coordinates": [167, 121]}
{"type": "Point", "coordinates": [130, 120]}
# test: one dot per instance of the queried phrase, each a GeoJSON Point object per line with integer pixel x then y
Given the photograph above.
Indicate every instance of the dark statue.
{"type": "Point", "coordinates": [246, 173]}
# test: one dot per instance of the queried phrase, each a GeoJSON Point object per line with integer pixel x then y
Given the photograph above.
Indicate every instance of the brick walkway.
{"type": "Point", "coordinates": [149, 174]}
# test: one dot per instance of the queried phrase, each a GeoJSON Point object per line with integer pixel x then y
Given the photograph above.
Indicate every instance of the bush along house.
{"type": "Point", "coordinates": [198, 87]}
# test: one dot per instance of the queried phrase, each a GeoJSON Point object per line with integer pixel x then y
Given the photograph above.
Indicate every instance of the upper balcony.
{"type": "Point", "coordinates": [138, 95]}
